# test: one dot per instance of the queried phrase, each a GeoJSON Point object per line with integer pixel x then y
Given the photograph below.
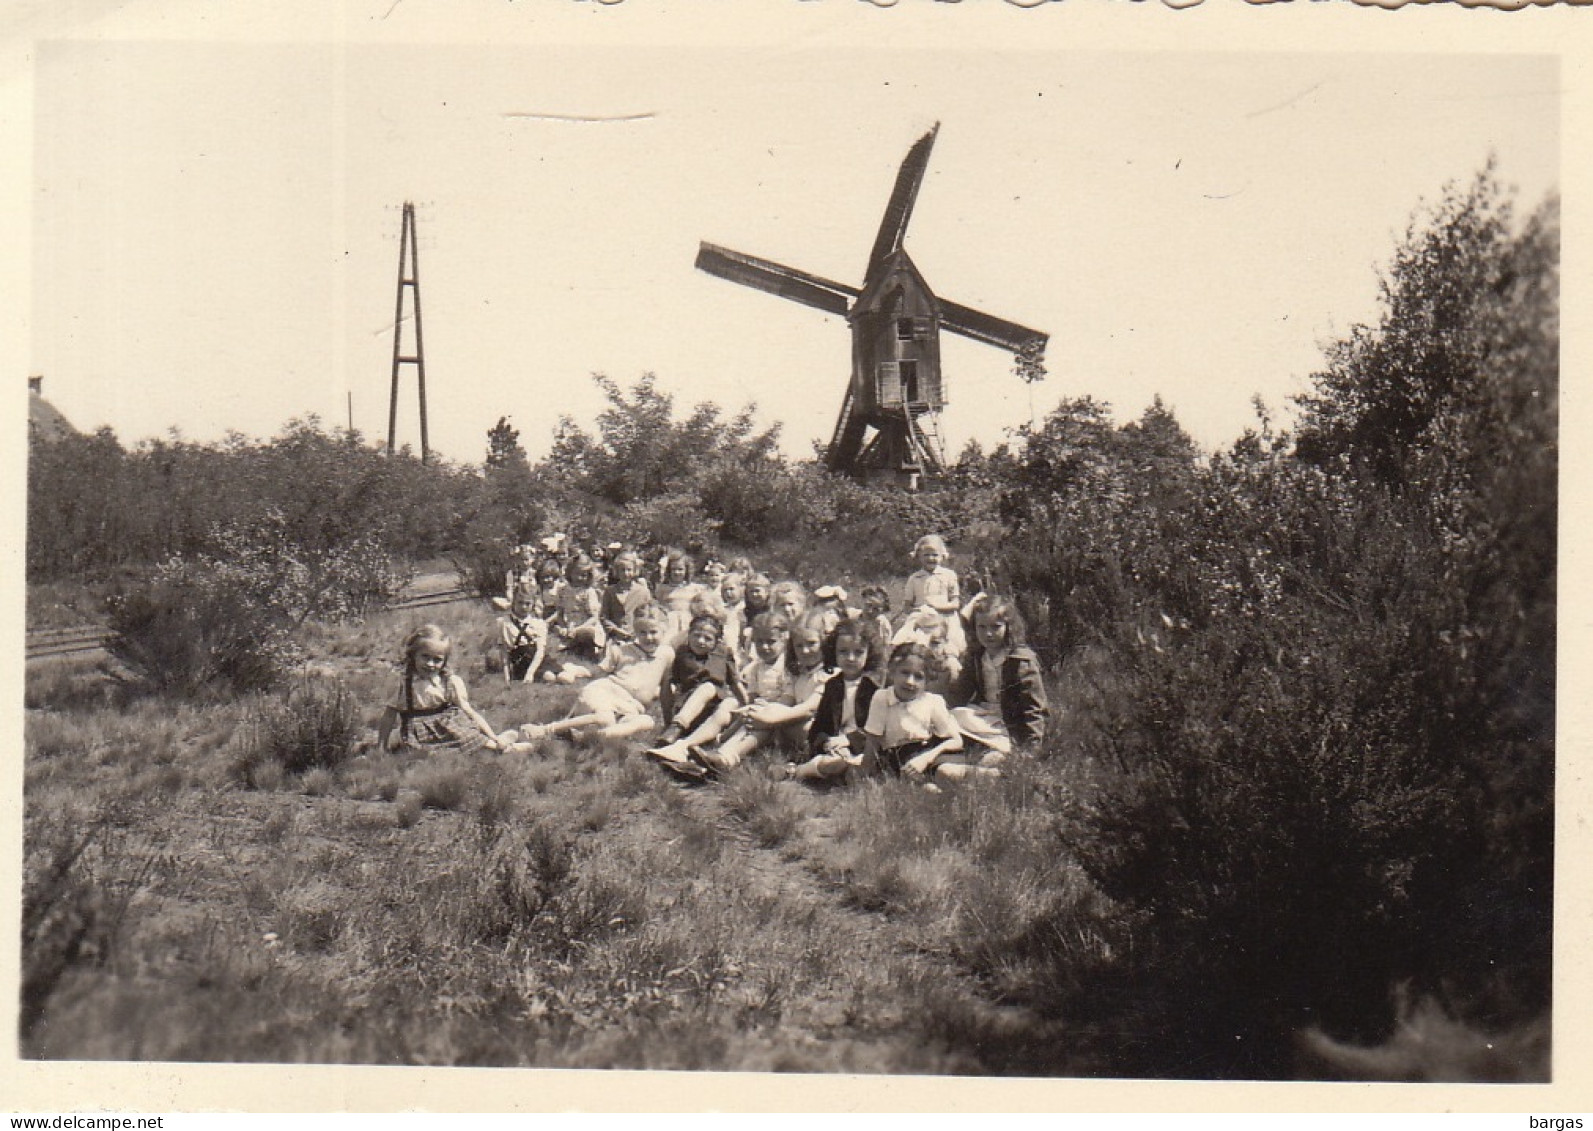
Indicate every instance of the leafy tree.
{"type": "Point", "coordinates": [1387, 388]}
{"type": "Point", "coordinates": [503, 447]}
{"type": "Point", "coordinates": [641, 451]}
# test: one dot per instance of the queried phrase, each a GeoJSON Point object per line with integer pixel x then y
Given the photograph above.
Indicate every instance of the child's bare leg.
{"type": "Point", "coordinates": [822, 767]}
{"type": "Point", "coordinates": [695, 704]}
{"type": "Point", "coordinates": [729, 753]}
{"type": "Point", "coordinates": [709, 730]}
{"type": "Point", "coordinates": [576, 722]}
{"type": "Point", "coordinates": [962, 769]}
{"type": "Point", "coordinates": [627, 728]}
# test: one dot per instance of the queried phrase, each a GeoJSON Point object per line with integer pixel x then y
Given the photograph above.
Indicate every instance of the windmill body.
{"type": "Point", "coordinates": [887, 429]}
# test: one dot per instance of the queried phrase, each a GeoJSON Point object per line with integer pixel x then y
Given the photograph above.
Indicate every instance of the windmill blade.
{"type": "Point", "coordinates": [893, 228]}
{"type": "Point", "coordinates": [763, 275]}
{"type": "Point", "coordinates": [989, 329]}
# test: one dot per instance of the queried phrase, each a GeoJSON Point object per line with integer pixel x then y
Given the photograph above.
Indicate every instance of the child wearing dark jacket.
{"type": "Point", "coordinates": [1000, 692]}
{"type": "Point", "coordinates": [836, 740]}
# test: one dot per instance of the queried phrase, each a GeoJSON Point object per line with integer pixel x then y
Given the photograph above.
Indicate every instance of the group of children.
{"type": "Point", "coordinates": [735, 664]}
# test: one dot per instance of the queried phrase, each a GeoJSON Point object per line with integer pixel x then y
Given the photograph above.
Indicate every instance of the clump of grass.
{"type": "Point", "coordinates": [67, 685]}
{"type": "Point", "coordinates": [498, 808]}
{"type": "Point", "coordinates": [1430, 1046]}
{"type": "Point", "coordinates": [49, 735]}
{"type": "Point", "coordinates": [406, 813]}
{"type": "Point", "coordinates": [315, 726]}
{"type": "Point", "coordinates": [277, 826]}
{"type": "Point", "coordinates": [442, 783]}
{"type": "Point", "coordinates": [768, 809]}
{"type": "Point", "coordinates": [312, 915]}
{"type": "Point", "coordinates": [517, 878]}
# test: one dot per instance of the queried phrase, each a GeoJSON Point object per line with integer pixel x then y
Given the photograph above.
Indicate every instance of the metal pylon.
{"type": "Point", "coordinates": [408, 276]}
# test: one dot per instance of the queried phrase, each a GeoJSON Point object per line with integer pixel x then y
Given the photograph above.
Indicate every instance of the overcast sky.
{"type": "Point", "coordinates": [215, 233]}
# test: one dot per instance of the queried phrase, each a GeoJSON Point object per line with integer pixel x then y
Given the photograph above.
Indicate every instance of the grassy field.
{"type": "Point", "coordinates": [575, 908]}
{"type": "Point", "coordinates": [190, 899]}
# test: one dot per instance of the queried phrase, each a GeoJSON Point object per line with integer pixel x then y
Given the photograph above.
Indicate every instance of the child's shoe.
{"type": "Point", "coordinates": [671, 733]}
{"type": "Point", "coordinates": [689, 770]}
{"type": "Point", "coordinates": [669, 752]}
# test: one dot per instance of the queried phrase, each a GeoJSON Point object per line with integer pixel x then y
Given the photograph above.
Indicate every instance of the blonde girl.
{"type": "Point", "coordinates": [522, 573]}
{"type": "Point", "coordinates": [790, 600]}
{"type": "Point", "coordinates": [933, 586]}
{"type": "Point", "coordinates": [626, 592]}
{"type": "Point", "coordinates": [580, 610]}
{"type": "Point", "coordinates": [430, 708]}
{"type": "Point", "coordinates": [675, 591]}
{"type": "Point", "coordinates": [732, 594]}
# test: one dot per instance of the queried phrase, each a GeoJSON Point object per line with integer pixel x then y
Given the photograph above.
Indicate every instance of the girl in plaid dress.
{"type": "Point", "coordinates": [431, 709]}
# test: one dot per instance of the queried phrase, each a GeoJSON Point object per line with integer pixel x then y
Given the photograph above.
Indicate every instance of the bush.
{"type": "Point", "coordinates": [1329, 740]}
{"type": "Point", "coordinates": [193, 630]}
{"type": "Point", "coordinates": [316, 726]}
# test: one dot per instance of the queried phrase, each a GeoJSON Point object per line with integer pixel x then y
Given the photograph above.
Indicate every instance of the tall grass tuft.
{"type": "Point", "coordinates": [769, 810]}
{"type": "Point", "coordinates": [315, 726]}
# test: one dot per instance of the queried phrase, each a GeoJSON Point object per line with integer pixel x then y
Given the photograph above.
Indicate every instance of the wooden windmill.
{"type": "Point", "coordinates": [887, 429]}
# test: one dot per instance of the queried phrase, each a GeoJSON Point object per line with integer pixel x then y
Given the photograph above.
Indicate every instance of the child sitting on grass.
{"type": "Point", "coordinates": [702, 674]}
{"type": "Point", "coordinates": [927, 627]}
{"type": "Point", "coordinates": [768, 682]}
{"type": "Point", "coordinates": [835, 739]}
{"type": "Point", "coordinates": [580, 610]}
{"type": "Point", "coordinates": [910, 731]}
{"type": "Point", "coordinates": [523, 637]}
{"type": "Point", "coordinates": [782, 719]}
{"type": "Point", "coordinates": [627, 591]}
{"type": "Point", "coordinates": [1001, 688]}
{"type": "Point", "coordinates": [933, 586]}
{"type": "Point", "coordinates": [430, 707]}
{"type": "Point", "coordinates": [675, 591]}
{"type": "Point", "coordinates": [616, 707]}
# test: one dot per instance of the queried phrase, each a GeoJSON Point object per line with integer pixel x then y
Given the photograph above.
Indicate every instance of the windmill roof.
{"type": "Point", "coordinates": [896, 269]}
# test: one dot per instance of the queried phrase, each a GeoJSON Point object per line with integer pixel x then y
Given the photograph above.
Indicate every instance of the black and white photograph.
{"type": "Point", "coordinates": [854, 543]}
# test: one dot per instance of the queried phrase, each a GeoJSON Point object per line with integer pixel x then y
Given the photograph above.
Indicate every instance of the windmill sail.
{"type": "Point", "coordinates": [777, 279]}
{"type": "Point", "coordinates": [893, 227]}
{"type": "Point", "coordinates": [988, 328]}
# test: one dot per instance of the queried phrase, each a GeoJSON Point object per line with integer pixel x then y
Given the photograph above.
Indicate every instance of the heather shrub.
{"type": "Point", "coordinates": [316, 726]}
{"type": "Point", "coordinates": [193, 629]}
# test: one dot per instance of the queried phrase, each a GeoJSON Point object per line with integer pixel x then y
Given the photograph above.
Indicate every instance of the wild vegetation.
{"type": "Point", "coordinates": [1295, 817]}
